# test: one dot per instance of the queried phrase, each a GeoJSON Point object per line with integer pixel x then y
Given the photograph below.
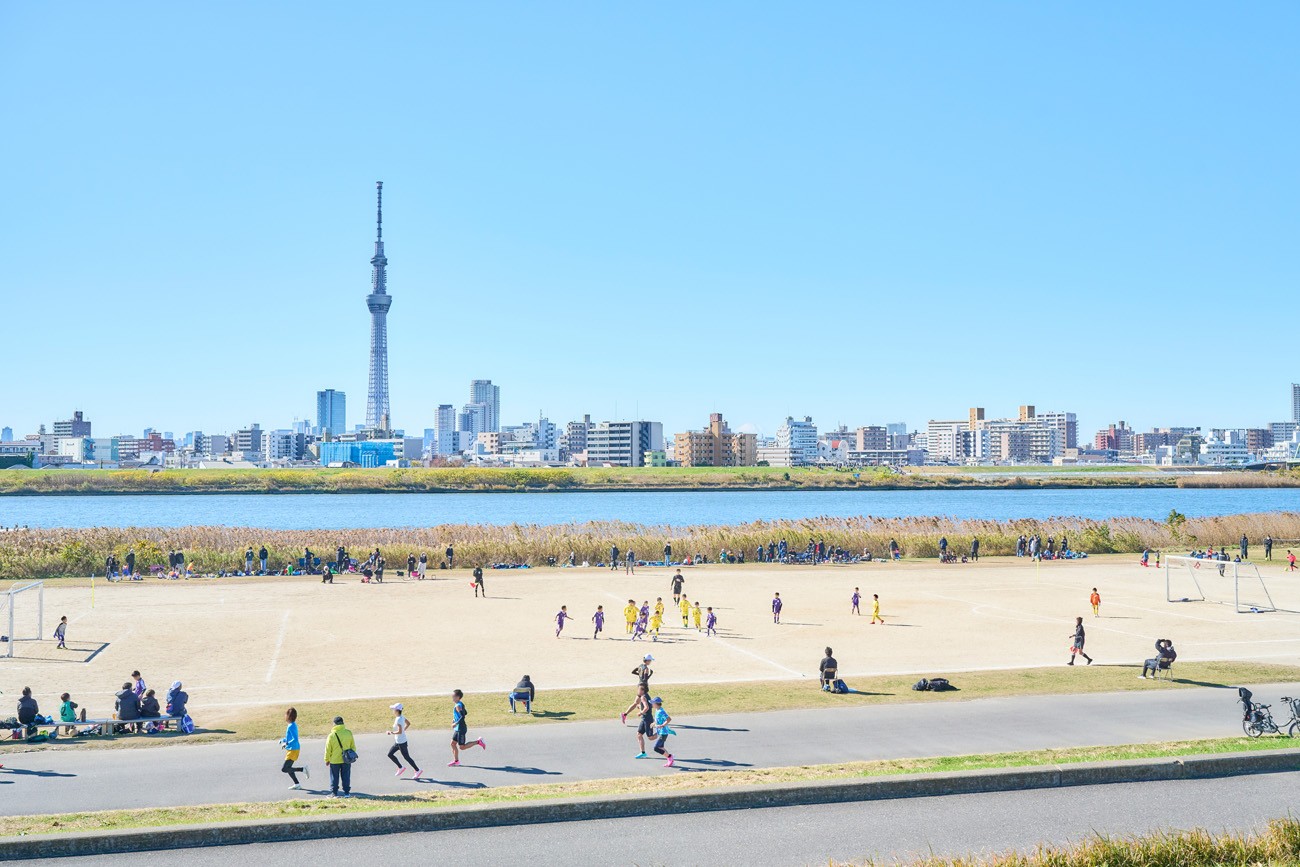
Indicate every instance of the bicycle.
{"type": "Point", "coordinates": [1258, 719]}
{"type": "Point", "coordinates": [1292, 725]}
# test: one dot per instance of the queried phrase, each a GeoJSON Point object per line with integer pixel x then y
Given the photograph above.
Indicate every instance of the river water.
{"type": "Point", "coordinates": [327, 511]}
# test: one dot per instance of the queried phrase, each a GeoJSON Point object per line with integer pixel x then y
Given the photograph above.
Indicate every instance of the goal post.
{"type": "Point", "coordinates": [22, 614]}
{"type": "Point", "coordinates": [1201, 579]}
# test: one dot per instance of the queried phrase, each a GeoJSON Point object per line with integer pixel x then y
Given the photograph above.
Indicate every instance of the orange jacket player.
{"type": "Point", "coordinates": [1095, 601]}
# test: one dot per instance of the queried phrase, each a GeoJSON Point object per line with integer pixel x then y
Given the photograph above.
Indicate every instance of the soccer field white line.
{"type": "Point", "coordinates": [279, 643]}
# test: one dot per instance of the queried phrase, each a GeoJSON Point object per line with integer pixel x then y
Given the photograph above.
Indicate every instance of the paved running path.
{"type": "Point", "coordinates": [55, 781]}
{"type": "Point", "coordinates": [905, 829]}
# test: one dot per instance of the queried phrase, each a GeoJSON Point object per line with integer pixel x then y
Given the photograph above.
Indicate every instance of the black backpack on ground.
{"type": "Point", "coordinates": [934, 684]}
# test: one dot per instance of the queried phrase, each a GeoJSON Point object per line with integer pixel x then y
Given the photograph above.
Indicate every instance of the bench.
{"type": "Point", "coordinates": [106, 726]}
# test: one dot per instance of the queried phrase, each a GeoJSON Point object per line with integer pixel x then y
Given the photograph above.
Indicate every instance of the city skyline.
{"type": "Point", "coordinates": [879, 218]}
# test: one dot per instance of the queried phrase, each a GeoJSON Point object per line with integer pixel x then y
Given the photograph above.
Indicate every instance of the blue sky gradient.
{"type": "Point", "coordinates": [858, 212]}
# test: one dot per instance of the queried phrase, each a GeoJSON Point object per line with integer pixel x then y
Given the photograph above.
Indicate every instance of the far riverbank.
{"type": "Point", "coordinates": [443, 480]}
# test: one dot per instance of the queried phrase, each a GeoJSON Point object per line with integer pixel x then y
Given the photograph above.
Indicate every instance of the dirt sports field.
{"type": "Point", "coordinates": [250, 641]}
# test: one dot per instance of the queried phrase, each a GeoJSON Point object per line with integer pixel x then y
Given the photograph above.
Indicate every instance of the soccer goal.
{"type": "Point", "coordinates": [1195, 579]}
{"type": "Point", "coordinates": [22, 614]}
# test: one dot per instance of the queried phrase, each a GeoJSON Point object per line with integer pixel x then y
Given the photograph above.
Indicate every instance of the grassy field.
{"type": "Point", "coordinates": [114, 820]}
{"type": "Point", "coordinates": [1278, 845]}
{"type": "Point", "coordinates": [266, 723]}
{"type": "Point", "coordinates": [442, 479]}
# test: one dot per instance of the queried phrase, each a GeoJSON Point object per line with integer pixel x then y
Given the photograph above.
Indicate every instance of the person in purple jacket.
{"type": "Point", "coordinates": [560, 617]}
{"type": "Point", "coordinates": [776, 608]}
{"type": "Point", "coordinates": [710, 623]}
{"type": "Point", "coordinates": [599, 619]}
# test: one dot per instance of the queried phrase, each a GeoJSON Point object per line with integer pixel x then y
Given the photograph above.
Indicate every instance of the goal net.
{"type": "Point", "coordinates": [1200, 579]}
{"type": "Point", "coordinates": [22, 615]}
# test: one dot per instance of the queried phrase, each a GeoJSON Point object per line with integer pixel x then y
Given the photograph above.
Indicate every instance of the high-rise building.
{"type": "Point", "coordinates": [800, 437]}
{"type": "Point", "coordinates": [472, 419]}
{"type": "Point", "coordinates": [444, 431]}
{"type": "Point", "coordinates": [1295, 402]}
{"type": "Point", "coordinates": [715, 446]}
{"type": "Point", "coordinates": [378, 415]}
{"type": "Point", "coordinates": [484, 392]}
{"type": "Point", "coordinates": [625, 443]}
{"type": "Point", "coordinates": [574, 439]}
{"type": "Point", "coordinates": [6, 434]}
{"type": "Point", "coordinates": [248, 442]}
{"type": "Point", "coordinates": [872, 437]}
{"type": "Point", "coordinates": [331, 412]}
{"type": "Point", "coordinates": [77, 426]}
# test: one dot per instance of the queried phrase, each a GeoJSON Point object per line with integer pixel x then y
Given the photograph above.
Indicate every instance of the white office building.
{"type": "Point", "coordinates": [482, 391]}
{"type": "Point", "coordinates": [444, 431]}
{"type": "Point", "coordinates": [800, 438]}
{"type": "Point", "coordinates": [625, 443]}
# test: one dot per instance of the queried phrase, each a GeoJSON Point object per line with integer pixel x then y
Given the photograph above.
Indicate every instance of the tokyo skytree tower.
{"type": "Point", "coordinates": [378, 302]}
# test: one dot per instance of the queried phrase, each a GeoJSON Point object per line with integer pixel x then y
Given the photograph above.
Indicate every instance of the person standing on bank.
{"type": "Point", "coordinates": [337, 746]}
{"type": "Point", "coordinates": [451, 557]}
{"type": "Point", "coordinates": [292, 749]}
{"type": "Point", "coordinates": [1077, 639]}
{"type": "Point", "coordinates": [398, 731]}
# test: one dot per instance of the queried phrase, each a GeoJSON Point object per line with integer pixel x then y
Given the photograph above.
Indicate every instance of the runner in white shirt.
{"type": "Point", "coordinates": [398, 731]}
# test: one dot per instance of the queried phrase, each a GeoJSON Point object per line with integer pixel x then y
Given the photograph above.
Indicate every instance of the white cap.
{"type": "Point", "coordinates": [396, 707]}
{"type": "Point", "coordinates": [649, 658]}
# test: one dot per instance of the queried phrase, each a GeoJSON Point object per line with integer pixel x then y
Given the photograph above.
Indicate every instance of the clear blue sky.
{"type": "Point", "coordinates": [859, 212]}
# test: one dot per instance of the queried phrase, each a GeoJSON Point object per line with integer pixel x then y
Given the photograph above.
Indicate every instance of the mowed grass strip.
{"type": "Point", "coordinates": [1278, 844]}
{"type": "Point", "coordinates": [117, 820]}
{"type": "Point", "coordinates": [266, 723]}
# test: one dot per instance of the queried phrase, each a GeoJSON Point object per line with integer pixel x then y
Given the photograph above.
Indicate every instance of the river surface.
{"type": "Point", "coordinates": [327, 511]}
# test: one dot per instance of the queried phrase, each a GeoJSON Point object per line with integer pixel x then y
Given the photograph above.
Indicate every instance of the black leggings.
{"type": "Point", "coordinates": [290, 770]}
{"type": "Point", "coordinates": [660, 745]}
{"type": "Point", "coordinates": [395, 749]}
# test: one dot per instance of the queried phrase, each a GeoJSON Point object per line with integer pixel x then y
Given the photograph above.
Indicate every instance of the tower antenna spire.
{"type": "Point", "coordinates": [378, 302]}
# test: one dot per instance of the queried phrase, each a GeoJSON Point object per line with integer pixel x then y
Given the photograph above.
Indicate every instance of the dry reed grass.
{"type": "Point", "coordinates": [48, 553]}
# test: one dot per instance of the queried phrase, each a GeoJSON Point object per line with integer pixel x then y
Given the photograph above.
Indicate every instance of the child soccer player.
{"type": "Point", "coordinates": [61, 632]}
{"type": "Point", "coordinates": [629, 614]}
{"type": "Point", "coordinates": [875, 610]}
{"type": "Point", "coordinates": [662, 719]}
{"type": "Point", "coordinates": [68, 712]}
{"type": "Point", "coordinates": [1095, 599]}
{"type": "Point", "coordinates": [656, 621]}
{"type": "Point", "coordinates": [857, 598]}
{"type": "Point", "coordinates": [639, 628]}
{"type": "Point", "coordinates": [776, 607]}
{"type": "Point", "coordinates": [711, 623]}
{"type": "Point", "coordinates": [686, 612]}
{"type": "Point", "coordinates": [599, 619]}
{"type": "Point", "coordinates": [458, 727]}
{"type": "Point", "coordinates": [659, 606]}
{"type": "Point", "coordinates": [695, 615]}
{"type": "Point", "coordinates": [562, 616]}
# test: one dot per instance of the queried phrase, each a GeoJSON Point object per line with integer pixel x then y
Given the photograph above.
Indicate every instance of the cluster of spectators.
{"type": "Point", "coordinates": [135, 705]}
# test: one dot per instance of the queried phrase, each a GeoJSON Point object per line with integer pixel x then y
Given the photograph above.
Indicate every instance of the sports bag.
{"type": "Point", "coordinates": [840, 686]}
{"type": "Point", "coordinates": [939, 684]}
{"type": "Point", "coordinates": [921, 685]}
